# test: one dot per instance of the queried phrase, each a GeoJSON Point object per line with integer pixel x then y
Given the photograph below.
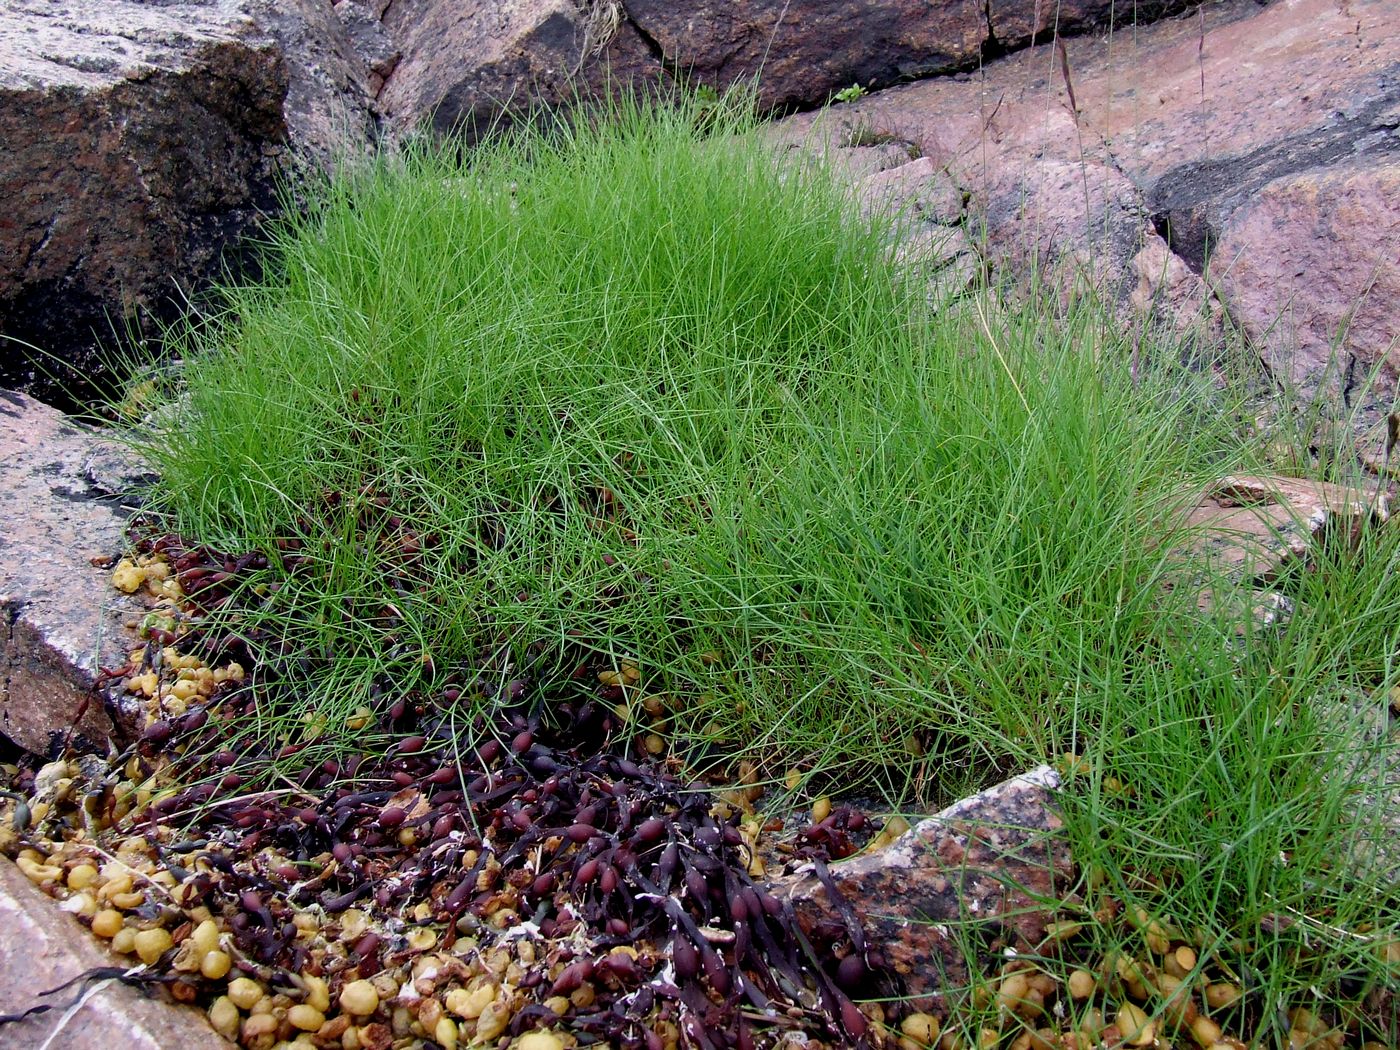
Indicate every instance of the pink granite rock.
{"type": "Point", "coordinates": [1311, 264]}
{"type": "Point", "coordinates": [1264, 141]}
{"type": "Point", "coordinates": [801, 51]}
{"type": "Point", "coordinates": [1248, 528]}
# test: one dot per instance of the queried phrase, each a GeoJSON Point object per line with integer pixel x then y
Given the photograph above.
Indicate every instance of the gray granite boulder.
{"type": "Point", "coordinates": [62, 620]}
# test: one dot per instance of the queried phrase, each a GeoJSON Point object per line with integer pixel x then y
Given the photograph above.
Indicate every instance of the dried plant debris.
{"type": "Point", "coordinates": [573, 902]}
{"type": "Point", "coordinates": [423, 902]}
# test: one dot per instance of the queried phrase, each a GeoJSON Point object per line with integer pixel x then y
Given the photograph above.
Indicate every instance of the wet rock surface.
{"type": "Point", "coordinates": [62, 621]}
{"type": "Point", "coordinates": [995, 856]}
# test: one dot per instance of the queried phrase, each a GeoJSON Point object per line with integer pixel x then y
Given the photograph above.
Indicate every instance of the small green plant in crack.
{"type": "Point", "coordinates": [854, 93]}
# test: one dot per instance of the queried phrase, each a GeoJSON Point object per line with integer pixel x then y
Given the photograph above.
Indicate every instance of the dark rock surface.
{"type": "Point", "coordinates": [801, 51]}
{"type": "Point", "coordinates": [463, 66]}
{"type": "Point", "coordinates": [329, 106]}
{"type": "Point", "coordinates": [138, 143]}
{"type": "Point", "coordinates": [134, 146]}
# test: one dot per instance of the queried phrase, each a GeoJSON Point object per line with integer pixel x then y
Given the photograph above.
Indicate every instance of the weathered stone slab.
{"type": "Point", "coordinates": [44, 947]}
{"type": "Point", "coordinates": [1250, 525]}
{"type": "Point", "coordinates": [1249, 542]}
{"type": "Point", "coordinates": [918, 187]}
{"type": "Point", "coordinates": [62, 620]}
{"type": "Point", "coordinates": [1317, 501]}
{"type": "Point", "coordinates": [996, 856]}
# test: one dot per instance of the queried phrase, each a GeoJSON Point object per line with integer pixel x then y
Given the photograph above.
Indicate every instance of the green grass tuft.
{"type": "Point", "coordinates": [644, 381]}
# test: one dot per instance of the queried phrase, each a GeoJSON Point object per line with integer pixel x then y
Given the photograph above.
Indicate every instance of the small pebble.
{"type": "Point", "coordinates": [306, 1017]}
{"type": "Point", "coordinates": [360, 998]}
{"type": "Point", "coordinates": [150, 945]}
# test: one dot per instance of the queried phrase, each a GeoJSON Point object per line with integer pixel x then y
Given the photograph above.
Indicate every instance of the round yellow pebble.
{"type": "Point", "coordinates": [1081, 984]}
{"type": "Point", "coordinates": [306, 1017]}
{"type": "Point", "coordinates": [107, 923]}
{"type": "Point", "coordinates": [921, 1027]}
{"type": "Point", "coordinates": [1134, 1024]}
{"type": "Point", "coordinates": [470, 1003]}
{"type": "Point", "coordinates": [493, 1021]}
{"type": "Point", "coordinates": [258, 1026]}
{"type": "Point", "coordinates": [150, 945]}
{"type": "Point", "coordinates": [359, 998]}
